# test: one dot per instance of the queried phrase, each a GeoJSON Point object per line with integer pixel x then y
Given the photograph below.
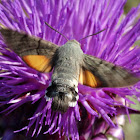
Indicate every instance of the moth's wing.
{"type": "Point", "coordinates": [87, 78]}
{"type": "Point", "coordinates": [37, 53]}
{"type": "Point", "coordinates": [38, 62]}
{"type": "Point", "coordinates": [105, 74]}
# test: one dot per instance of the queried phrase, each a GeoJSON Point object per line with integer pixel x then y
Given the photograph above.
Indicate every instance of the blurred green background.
{"type": "Point", "coordinates": [130, 4]}
{"type": "Point", "coordinates": [132, 130]}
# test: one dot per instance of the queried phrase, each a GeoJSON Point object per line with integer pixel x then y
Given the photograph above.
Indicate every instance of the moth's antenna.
{"type": "Point", "coordinates": [93, 34]}
{"type": "Point", "coordinates": [56, 30]}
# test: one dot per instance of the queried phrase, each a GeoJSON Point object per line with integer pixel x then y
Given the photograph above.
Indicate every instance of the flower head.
{"type": "Point", "coordinates": [22, 85]}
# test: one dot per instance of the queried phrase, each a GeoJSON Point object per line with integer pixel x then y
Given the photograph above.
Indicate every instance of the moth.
{"type": "Point", "coordinates": [70, 66]}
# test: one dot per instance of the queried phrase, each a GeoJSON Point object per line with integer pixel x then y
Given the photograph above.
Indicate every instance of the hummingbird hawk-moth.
{"type": "Point", "coordinates": [70, 66]}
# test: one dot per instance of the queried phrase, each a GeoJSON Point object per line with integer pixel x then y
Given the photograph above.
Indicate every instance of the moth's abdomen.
{"type": "Point", "coordinates": [64, 85]}
{"type": "Point", "coordinates": [63, 97]}
{"type": "Point", "coordinates": [64, 89]}
{"type": "Point", "coordinates": [66, 72]}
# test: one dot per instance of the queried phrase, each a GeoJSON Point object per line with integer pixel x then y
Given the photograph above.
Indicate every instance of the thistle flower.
{"type": "Point", "coordinates": [22, 86]}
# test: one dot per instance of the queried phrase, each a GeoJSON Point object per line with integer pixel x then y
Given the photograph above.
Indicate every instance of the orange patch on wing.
{"type": "Point", "coordinates": [38, 62]}
{"type": "Point", "coordinates": [88, 79]}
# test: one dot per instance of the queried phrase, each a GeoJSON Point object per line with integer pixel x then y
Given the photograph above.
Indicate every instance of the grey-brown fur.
{"type": "Point", "coordinates": [67, 61]}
